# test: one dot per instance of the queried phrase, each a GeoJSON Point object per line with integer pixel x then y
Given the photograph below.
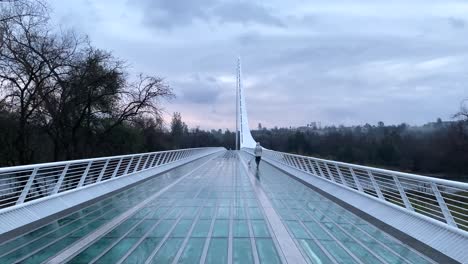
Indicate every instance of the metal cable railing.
{"type": "Point", "coordinates": [21, 184]}
{"type": "Point", "coordinates": [443, 200]}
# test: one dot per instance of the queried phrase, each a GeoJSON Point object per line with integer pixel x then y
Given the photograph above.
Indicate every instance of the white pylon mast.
{"type": "Point", "coordinates": [237, 102]}
{"type": "Point", "coordinates": [242, 123]}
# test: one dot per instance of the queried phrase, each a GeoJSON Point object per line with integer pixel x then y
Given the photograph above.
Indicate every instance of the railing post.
{"type": "Point", "coordinates": [60, 180]}
{"type": "Point", "coordinates": [174, 154]}
{"type": "Point", "coordinates": [158, 160]}
{"type": "Point", "coordinates": [301, 164]}
{"type": "Point", "coordinates": [356, 180]}
{"type": "Point", "coordinates": [340, 174]}
{"type": "Point", "coordinates": [376, 186]}
{"type": "Point", "coordinates": [152, 160]}
{"type": "Point", "coordinates": [443, 206]}
{"type": "Point", "coordinates": [117, 168]}
{"type": "Point", "coordinates": [332, 178]}
{"type": "Point", "coordinates": [312, 168]}
{"type": "Point", "coordinates": [296, 162]}
{"type": "Point", "coordinates": [26, 188]}
{"type": "Point", "coordinates": [85, 173]}
{"type": "Point", "coordinates": [138, 164]}
{"type": "Point", "coordinates": [163, 158]}
{"type": "Point", "coordinates": [168, 158]}
{"type": "Point", "coordinates": [320, 169]}
{"type": "Point", "coordinates": [128, 166]}
{"type": "Point", "coordinates": [146, 161]}
{"type": "Point", "coordinates": [103, 171]}
{"type": "Point", "coordinates": [177, 155]}
{"type": "Point", "coordinates": [402, 193]}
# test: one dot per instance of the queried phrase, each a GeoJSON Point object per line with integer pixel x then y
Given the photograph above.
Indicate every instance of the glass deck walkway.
{"type": "Point", "coordinates": [212, 213]}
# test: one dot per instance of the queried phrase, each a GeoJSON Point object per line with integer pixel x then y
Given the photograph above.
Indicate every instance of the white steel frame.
{"type": "Point", "coordinates": [22, 184]}
{"type": "Point", "coordinates": [442, 200]}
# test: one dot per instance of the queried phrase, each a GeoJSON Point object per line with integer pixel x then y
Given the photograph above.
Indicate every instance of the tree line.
{"type": "Point", "coordinates": [438, 149]}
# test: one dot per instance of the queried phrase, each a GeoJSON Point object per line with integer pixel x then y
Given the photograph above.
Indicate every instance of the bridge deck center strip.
{"type": "Point", "coordinates": [285, 241]}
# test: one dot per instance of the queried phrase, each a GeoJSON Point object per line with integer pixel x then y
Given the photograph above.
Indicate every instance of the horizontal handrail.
{"type": "Point", "coordinates": [3, 169]}
{"type": "Point", "coordinates": [442, 200]}
{"type": "Point", "coordinates": [20, 184]}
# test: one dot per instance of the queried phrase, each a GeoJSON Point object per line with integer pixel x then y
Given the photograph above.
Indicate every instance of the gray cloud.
{"type": "Point", "coordinates": [456, 23]}
{"type": "Point", "coordinates": [301, 62]}
{"type": "Point", "coordinates": [174, 13]}
{"type": "Point", "coordinates": [198, 90]}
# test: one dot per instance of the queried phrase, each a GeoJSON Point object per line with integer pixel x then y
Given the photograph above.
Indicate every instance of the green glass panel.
{"type": "Point", "coordinates": [207, 213]}
{"type": "Point", "coordinates": [162, 228]}
{"type": "Point", "coordinates": [224, 202]}
{"type": "Point", "coordinates": [338, 233]}
{"type": "Point", "coordinates": [239, 213]}
{"type": "Point", "coordinates": [255, 213]}
{"type": "Point", "coordinates": [260, 229]}
{"type": "Point", "coordinates": [202, 228]}
{"type": "Point", "coordinates": [117, 251]}
{"type": "Point", "coordinates": [296, 228]}
{"type": "Point", "coordinates": [121, 229]}
{"type": "Point", "coordinates": [88, 228]}
{"type": "Point", "coordinates": [174, 213]}
{"type": "Point", "coordinates": [383, 252]}
{"type": "Point", "coordinates": [267, 251]}
{"type": "Point", "coordinates": [217, 252]}
{"type": "Point", "coordinates": [140, 214]}
{"type": "Point", "coordinates": [240, 228]}
{"type": "Point", "coordinates": [49, 251]}
{"type": "Point", "coordinates": [338, 252]}
{"type": "Point", "coordinates": [362, 253]}
{"type": "Point", "coordinates": [313, 252]}
{"type": "Point", "coordinates": [303, 215]}
{"type": "Point", "coordinates": [189, 212]}
{"type": "Point", "coordinates": [286, 214]}
{"type": "Point", "coordinates": [193, 251]}
{"type": "Point", "coordinates": [93, 251]}
{"type": "Point", "coordinates": [252, 203]}
{"type": "Point", "coordinates": [221, 228]}
{"type": "Point", "coordinates": [317, 231]}
{"type": "Point", "coordinates": [242, 251]}
{"type": "Point", "coordinates": [223, 213]}
{"type": "Point", "coordinates": [168, 251]}
{"type": "Point", "coordinates": [182, 228]}
{"type": "Point", "coordinates": [142, 228]}
{"type": "Point", "coordinates": [143, 251]}
{"type": "Point", "coordinates": [160, 212]}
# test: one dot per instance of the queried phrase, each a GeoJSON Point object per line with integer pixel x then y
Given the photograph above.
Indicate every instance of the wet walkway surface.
{"type": "Point", "coordinates": [213, 211]}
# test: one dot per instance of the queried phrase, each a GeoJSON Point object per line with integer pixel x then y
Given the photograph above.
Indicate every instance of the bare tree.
{"type": "Point", "coordinates": [21, 70]}
{"type": "Point", "coordinates": [463, 113]}
{"type": "Point", "coordinates": [141, 97]}
{"type": "Point", "coordinates": [34, 63]}
{"type": "Point", "coordinates": [57, 82]}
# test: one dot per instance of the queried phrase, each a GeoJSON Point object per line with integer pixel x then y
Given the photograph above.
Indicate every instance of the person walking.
{"type": "Point", "coordinates": [258, 153]}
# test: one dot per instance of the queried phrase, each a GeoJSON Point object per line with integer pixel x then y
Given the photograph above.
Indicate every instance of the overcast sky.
{"type": "Point", "coordinates": [338, 62]}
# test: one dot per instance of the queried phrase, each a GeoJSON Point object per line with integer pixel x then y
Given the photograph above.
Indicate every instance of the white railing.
{"type": "Point", "coordinates": [20, 184]}
{"type": "Point", "coordinates": [443, 200]}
